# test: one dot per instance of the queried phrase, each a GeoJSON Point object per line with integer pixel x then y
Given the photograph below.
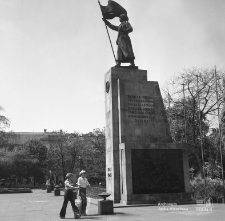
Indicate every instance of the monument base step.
{"type": "Point", "coordinates": [176, 198]}
{"type": "Point", "coordinates": [147, 203]}
{"type": "Point", "coordinates": [127, 67]}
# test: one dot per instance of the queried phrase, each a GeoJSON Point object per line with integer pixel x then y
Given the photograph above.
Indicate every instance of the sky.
{"type": "Point", "coordinates": [54, 54]}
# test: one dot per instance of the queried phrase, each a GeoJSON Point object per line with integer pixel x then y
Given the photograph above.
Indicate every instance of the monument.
{"type": "Point", "coordinates": [142, 163]}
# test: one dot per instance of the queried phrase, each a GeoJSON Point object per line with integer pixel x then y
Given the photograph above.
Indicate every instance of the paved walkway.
{"type": "Point", "coordinates": [42, 206]}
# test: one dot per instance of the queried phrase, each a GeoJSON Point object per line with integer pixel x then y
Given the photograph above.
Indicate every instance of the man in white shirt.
{"type": "Point", "coordinates": [82, 184]}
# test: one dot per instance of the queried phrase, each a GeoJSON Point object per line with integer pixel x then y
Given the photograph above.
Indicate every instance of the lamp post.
{"type": "Point", "coordinates": [50, 175]}
{"type": "Point", "coordinates": [51, 182]}
{"type": "Point", "coordinates": [80, 163]}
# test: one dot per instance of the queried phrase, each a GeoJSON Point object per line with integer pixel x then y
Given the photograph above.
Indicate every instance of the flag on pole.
{"type": "Point", "coordinates": [112, 10]}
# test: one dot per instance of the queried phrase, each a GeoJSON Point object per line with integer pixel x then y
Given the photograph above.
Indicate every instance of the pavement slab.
{"type": "Point", "coordinates": [43, 206]}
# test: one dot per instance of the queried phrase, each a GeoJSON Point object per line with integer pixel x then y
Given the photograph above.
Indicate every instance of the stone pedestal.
{"type": "Point", "coordinates": [112, 126]}
{"type": "Point", "coordinates": [43, 186]}
{"type": "Point", "coordinates": [56, 192]}
{"type": "Point", "coordinates": [105, 207]}
{"type": "Point", "coordinates": [142, 163]}
{"type": "Point", "coordinates": [49, 189]}
{"type": "Point", "coordinates": [154, 173]}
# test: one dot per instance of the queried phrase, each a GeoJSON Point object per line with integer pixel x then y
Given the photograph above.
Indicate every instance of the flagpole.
{"type": "Point", "coordinates": [108, 34]}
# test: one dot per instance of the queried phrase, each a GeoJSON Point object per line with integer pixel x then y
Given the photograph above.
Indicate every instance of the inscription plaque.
{"type": "Point", "coordinates": [157, 171]}
{"type": "Point", "coordinates": [140, 108]}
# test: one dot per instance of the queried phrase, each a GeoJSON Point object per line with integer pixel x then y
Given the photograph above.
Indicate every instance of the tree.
{"type": "Point", "coordinates": [213, 166]}
{"type": "Point", "coordinates": [5, 137]}
{"type": "Point", "coordinates": [24, 161]}
{"type": "Point", "coordinates": [5, 140]}
{"type": "Point", "coordinates": [191, 100]}
{"type": "Point", "coordinates": [5, 171]}
{"type": "Point", "coordinates": [65, 149]}
{"type": "Point", "coordinates": [63, 152]}
{"type": "Point", "coordinates": [4, 121]}
{"type": "Point", "coordinates": [17, 164]}
{"type": "Point", "coordinates": [37, 152]}
{"type": "Point", "coordinates": [94, 152]}
{"type": "Point", "coordinates": [21, 164]}
{"type": "Point", "coordinates": [222, 117]}
{"type": "Point", "coordinates": [4, 144]}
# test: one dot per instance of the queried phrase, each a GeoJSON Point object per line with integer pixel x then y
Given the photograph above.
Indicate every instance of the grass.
{"type": "Point", "coordinates": [93, 191]}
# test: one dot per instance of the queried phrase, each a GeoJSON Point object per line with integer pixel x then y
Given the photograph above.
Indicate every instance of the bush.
{"type": "Point", "coordinates": [93, 191]}
{"type": "Point", "coordinates": [214, 187]}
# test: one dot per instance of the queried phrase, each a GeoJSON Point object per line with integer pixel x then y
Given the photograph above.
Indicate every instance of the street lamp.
{"type": "Point", "coordinates": [51, 181]}
{"type": "Point", "coordinates": [50, 175]}
{"type": "Point", "coordinates": [80, 163]}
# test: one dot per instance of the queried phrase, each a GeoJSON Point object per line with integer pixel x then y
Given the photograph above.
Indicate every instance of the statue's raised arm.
{"type": "Point", "coordinates": [111, 26]}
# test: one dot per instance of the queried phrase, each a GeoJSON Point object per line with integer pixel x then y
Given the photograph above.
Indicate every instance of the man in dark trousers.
{"type": "Point", "coordinates": [68, 196]}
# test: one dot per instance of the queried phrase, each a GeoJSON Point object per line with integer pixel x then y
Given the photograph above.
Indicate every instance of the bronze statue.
{"type": "Point", "coordinates": [125, 52]}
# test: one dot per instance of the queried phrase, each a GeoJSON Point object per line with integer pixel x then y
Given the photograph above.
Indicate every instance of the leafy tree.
{"type": "Point", "coordinates": [21, 164]}
{"type": "Point", "coordinates": [17, 163]}
{"type": "Point", "coordinates": [4, 165]}
{"type": "Point", "coordinates": [63, 152]}
{"type": "Point", "coordinates": [4, 121]}
{"type": "Point", "coordinates": [5, 140]}
{"type": "Point", "coordinates": [65, 149]}
{"type": "Point", "coordinates": [213, 166]}
{"type": "Point", "coordinates": [222, 117]}
{"type": "Point", "coordinates": [4, 144]}
{"type": "Point", "coordinates": [94, 153]}
{"type": "Point", "coordinates": [5, 137]}
{"type": "Point", "coordinates": [190, 99]}
{"type": "Point", "coordinates": [24, 161]}
{"type": "Point", "coordinates": [37, 152]}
